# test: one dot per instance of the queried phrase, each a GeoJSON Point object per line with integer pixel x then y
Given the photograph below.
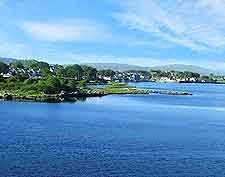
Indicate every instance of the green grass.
{"type": "Point", "coordinates": [125, 91]}
{"type": "Point", "coordinates": [119, 85]}
{"type": "Point", "coordinates": [220, 82]}
{"type": "Point", "coordinates": [121, 88]}
{"type": "Point", "coordinates": [21, 93]}
{"type": "Point", "coordinates": [111, 88]}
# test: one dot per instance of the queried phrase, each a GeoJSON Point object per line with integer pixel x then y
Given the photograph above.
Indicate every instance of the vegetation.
{"type": "Point", "coordinates": [106, 72]}
{"type": "Point", "coordinates": [3, 67]}
{"type": "Point", "coordinates": [118, 88]}
{"type": "Point", "coordinates": [89, 73]}
{"type": "Point", "coordinates": [53, 80]}
{"type": "Point", "coordinates": [174, 74]}
{"type": "Point", "coordinates": [39, 79]}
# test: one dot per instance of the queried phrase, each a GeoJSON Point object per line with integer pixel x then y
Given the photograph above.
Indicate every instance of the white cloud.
{"type": "Point", "coordinates": [196, 24]}
{"type": "Point", "coordinates": [66, 31]}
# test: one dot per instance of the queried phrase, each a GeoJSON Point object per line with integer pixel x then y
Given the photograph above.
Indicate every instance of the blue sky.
{"type": "Point", "coordinates": [142, 32]}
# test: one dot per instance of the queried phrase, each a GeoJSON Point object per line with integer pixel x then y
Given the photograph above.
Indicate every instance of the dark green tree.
{"type": "Point", "coordinates": [3, 67]}
{"type": "Point", "coordinates": [74, 71]}
{"type": "Point", "coordinates": [1, 78]}
{"type": "Point", "coordinates": [58, 70]}
{"type": "Point", "coordinates": [42, 66]}
{"type": "Point", "coordinates": [17, 64]}
{"type": "Point", "coordinates": [72, 86]}
{"type": "Point", "coordinates": [52, 85]}
{"type": "Point", "coordinates": [89, 73]}
{"type": "Point", "coordinates": [21, 77]}
{"type": "Point", "coordinates": [45, 68]}
{"type": "Point", "coordinates": [106, 73]}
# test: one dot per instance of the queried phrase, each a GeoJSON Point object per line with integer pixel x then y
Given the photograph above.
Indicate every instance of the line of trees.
{"type": "Point", "coordinates": [54, 78]}
{"type": "Point", "coordinates": [83, 72]}
{"type": "Point", "coordinates": [71, 78]}
{"type": "Point", "coordinates": [177, 74]}
{"type": "Point", "coordinates": [76, 71]}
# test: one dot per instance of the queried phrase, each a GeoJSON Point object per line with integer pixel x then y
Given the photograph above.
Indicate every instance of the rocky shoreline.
{"type": "Point", "coordinates": [47, 98]}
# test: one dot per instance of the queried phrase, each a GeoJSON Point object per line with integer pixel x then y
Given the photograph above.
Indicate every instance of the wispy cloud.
{"type": "Point", "coordinates": [66, 31]}
{"type": "Point", "coordinates": [196, 24]}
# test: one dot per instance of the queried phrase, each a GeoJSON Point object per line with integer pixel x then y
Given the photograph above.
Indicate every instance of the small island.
{"type": "Point", "coordinates": [39, 81]}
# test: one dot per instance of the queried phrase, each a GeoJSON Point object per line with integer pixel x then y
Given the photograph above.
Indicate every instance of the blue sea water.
{"type": "Point", "coordinates": [131, 135]}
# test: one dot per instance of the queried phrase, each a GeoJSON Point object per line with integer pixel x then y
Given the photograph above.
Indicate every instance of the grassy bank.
{"type": "Point", "coordinates": [109, 89]}
{"type": "Point", "coordinates": [121, 88]}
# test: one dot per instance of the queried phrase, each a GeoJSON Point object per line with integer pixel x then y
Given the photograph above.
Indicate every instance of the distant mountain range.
{"type": "Point", "coordinates": [125, 67]}
{"type": "Point", "coordinates": [116, 66]}
{"type": "Point", "coordinates": [182, 67]}
{"type": "Point", "coordinates": [175, 67]}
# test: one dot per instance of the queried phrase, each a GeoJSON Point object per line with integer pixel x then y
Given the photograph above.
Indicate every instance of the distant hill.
{"type": "Point", "coordinates": [116, 66]}
{"type": "Point", "coordinates": [126, 67]}
{"type": "Point", "coordinates": [11, 60]}
{"type": "Point", "coordinates": [182, 67]}
{"type": "Point", "coordinates": [175, 67]}
{"type": "Point", "coordinates": [7, 60]}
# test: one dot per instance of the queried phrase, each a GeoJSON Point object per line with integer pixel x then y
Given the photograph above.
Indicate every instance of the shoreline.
{"type": "Point", "coordinates": [82, 96]}
{"type": "Point", "coordinates": [109, 89]}
{"type": "Point", "coordinates": [217, 83]}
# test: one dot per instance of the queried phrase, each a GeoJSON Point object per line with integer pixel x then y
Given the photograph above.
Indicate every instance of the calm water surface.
{"type": "Point", "coordinates": [136, 136]}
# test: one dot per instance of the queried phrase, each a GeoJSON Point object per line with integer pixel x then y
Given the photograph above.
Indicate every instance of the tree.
{"type": "Point", "coordinates": [52, 85]}
{"type": "Point", "coordinates": [45, 68]}
{"type": "Point", "coordinates": [21, 77]}
{"type": "Point", "coordinates": [211, 76]}
{"type": "Point", "coordinates": [3, 67]}
{"type": "Point", "coordinates": [89, 73]}
{"type": "Point", "coordinates": [106, 73]}
{"type": "Point", "coordinates": [145, 73]}
{"type": "Point", "coordinates": [82, 84]}
{"type": "Point", "coordinates": [188, 74]}
{"type": "Point", "coordinates": [179, 74]}
{"type": "Point", "coordinates": [196, 75]}
{"type": "Point", "coordinates": [206, 78]}
{"type": "Point", "coordinates": [33, 65]}
{"type": "Point", "coordinates": [155, 73]}
{"type": "Point", "coordinates": [74, 71]}
{"type": "Point", "coordinates": [72, 85]}
{"type": "Point", "coordinates": [58, 70]}
{"type": "Point", "coordinates": [17, 64]}
{"type": "Point", "coordinates": [42, 66]}
{"type": "Point", "coordinates": [1, 78]}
